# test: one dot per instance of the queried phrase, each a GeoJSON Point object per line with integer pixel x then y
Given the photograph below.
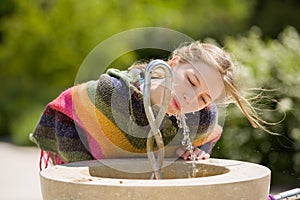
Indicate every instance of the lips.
{"type": "Point", "coordinates": [176, 104]}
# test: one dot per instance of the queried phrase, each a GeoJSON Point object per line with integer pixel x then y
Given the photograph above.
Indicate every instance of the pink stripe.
{"type": "Point", "coordinates": [93, 144]}
{"type": "Point", "coordinates": [64, 104]}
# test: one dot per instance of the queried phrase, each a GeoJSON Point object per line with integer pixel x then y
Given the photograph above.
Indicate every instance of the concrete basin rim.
{"type": "Point", "coordinates": [235, 175]}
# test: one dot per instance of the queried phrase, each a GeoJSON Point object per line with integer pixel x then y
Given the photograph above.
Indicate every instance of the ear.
{"type": "Point", "coordinates": [174, 61]}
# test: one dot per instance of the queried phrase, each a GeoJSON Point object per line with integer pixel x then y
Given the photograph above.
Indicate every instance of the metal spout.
{"type": "Point", "coordinates": [155, 134]}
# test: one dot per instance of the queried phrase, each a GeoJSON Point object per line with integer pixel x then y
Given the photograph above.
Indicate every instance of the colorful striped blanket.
{"type": "Point", "coordinates": [106, 119]}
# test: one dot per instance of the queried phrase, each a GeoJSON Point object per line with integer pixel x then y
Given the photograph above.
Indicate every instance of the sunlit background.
{"type": "Point", "coordinates": [44, 42]}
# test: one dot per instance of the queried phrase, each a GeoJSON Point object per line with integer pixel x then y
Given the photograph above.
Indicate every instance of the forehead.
{"type": "Point", "coordinates": [209, 78]}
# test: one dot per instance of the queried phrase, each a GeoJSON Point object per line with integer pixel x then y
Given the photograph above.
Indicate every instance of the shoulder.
{"type": "Point", "coordinates": [205, 115]}
{"type": "Point", "coordinates": [209, 113]}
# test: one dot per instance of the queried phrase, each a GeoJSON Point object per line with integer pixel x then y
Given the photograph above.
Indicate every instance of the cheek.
{"type": "Point", "coordinates": [178, 91]}
{"type": "Point", "coordinates": [179, 86]}
{"type": "Point", "coordinates": [177, 78]}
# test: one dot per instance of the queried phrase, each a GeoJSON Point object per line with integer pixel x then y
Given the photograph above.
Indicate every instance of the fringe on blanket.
{"type": "Point", "coordinates": [49, 159]}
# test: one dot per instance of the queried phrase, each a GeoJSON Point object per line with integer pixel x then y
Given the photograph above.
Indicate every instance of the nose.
{"type": "Point", "coordinates": [190, 96]}
{"type": "Point", "coordinates": [201, 99]}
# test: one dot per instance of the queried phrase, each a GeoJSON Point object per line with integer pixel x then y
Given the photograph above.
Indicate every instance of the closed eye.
{"type": "Point", "coordinates": [203, 99]}
{"type": "Point", "coordinates": [191, 82]}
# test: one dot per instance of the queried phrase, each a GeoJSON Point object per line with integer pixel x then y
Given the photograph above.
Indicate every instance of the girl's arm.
{"type": "Point", "coordinates": [203, 151]}
{"type": "Point", "coordinates": [208, 132]}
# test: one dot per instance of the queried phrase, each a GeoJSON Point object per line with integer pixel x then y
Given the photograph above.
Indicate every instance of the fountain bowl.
{"type": "Point", "coordinates": [117, 179]}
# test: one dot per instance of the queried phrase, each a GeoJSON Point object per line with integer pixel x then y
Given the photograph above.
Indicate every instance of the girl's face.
{"type": "Point", "coordinates": [194, 86]}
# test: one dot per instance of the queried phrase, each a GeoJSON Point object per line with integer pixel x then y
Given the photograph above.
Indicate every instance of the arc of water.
{"type": "Point", "coordinates": [154, 133]}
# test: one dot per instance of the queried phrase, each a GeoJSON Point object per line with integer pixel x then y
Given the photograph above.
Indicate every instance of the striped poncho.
{"type": "Point", "coordinates": [106, 119]}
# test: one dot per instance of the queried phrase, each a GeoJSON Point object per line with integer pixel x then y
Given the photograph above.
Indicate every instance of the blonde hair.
{"type": "Point", "coordinates": [220, 60]}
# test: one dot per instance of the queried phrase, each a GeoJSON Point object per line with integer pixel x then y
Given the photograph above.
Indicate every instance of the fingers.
{"type": "Point", "coordinates": [199, 154]}
{"type": "Point", "coordinates": [183, 153]}
{"type": "Point", "coordinates": [203, 157]}
{"type": "Point", "coordinates": [186, 155]}
{"type": "Point", "coordinates": [180, 151]}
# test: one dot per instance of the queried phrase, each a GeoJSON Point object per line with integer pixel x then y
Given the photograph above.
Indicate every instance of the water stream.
{"type": "Point", "coordinates": [186, 142]}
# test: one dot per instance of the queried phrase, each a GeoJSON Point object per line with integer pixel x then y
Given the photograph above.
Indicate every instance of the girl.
{"type": "Point", "coordinates": [106, 118]}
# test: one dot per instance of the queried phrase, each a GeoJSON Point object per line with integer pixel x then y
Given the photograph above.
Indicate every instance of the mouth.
{"type": "Point", "coordinates": [176, 104]}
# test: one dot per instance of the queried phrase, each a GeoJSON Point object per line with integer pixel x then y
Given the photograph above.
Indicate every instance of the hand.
{"type": "Point", "coordinates": [185, 155]}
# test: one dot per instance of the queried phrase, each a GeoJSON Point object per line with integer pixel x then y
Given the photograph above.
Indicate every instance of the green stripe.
{"type": "Point", "coordinates": [44, 131]}
{"type": "Point", "coordinates": [74, 156]}
{"type": "Point", "coordinates": [47, 144]}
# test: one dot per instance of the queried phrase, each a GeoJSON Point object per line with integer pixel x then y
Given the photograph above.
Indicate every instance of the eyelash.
{"type": "Point", "coordinates": [191, 82]}
{"type": "Point", "coordinates": [203, 99]}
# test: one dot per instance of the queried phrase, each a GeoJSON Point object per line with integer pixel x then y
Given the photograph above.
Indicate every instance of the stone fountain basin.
{"type": "Point", "coordinates": [140, 169]}
{"type": "Point", "coordinates": [215, 179]}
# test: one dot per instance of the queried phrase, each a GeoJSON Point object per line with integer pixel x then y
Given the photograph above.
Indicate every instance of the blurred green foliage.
{"type": "Point", "coordinates": [274, 65]}
{"type": "Point", "coordinates": [44, 42]}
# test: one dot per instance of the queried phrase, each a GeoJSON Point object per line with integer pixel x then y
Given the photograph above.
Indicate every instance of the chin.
{"type": "Point", "coordinates": [172, 112]}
